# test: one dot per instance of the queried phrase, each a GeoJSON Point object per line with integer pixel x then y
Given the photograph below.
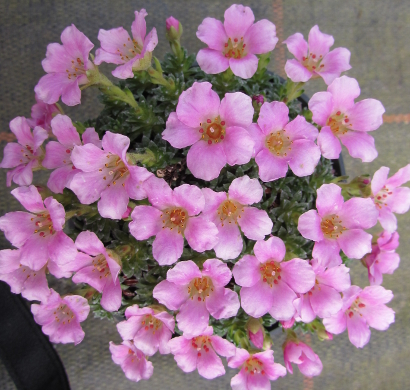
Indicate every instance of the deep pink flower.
{"type": "Point", "coordinates": [228, 210]}
{"type": "Point", "coordinates": [66, 66]}
{"type": "Point", "coordinates": [149, 328]}
{"type": "Point", "coordinates": [25, 155]}
{"type": "Point", "coordinates": [60, 317]}
{"type": "Point", "coordinates": [270, 284]}
{"type": "Point", "coordinates": [389, 197]}
{"type": "Point", "coordinates": [107, 175]}
{"type": "Point", "coordinates": [198, 294]}
{"type": "Point", "coordinates": [383, 259]}
{"type": "Point", "coordinates": [288, 324]}
{"type": "Point", "coordinates": [132, 361]}
{"type": "Point", "coordinates": [256, 370]}
{"type": "Point", "coordinates": [172, 217]}
{"type": "Point", "coordinates": [234, 43]}
{"type": "Point", "coordinates": [215, 129]}
{"type": "Point", "coordinates": [301, 354]}
{"type": "Point", "coordinates": [42, 114]}
{"type": "Point", "coordinates": [361, 309]}
{"type": "Point", "coordinates": [201, 352]}
{"type": "Point", "coordinates": [338, 225]}
{"type": "Point", "coordinates": [131, 54]}
{"type": "Point", "coordinates": [38, 233]}
{"type": "Point", "coordinates": [279, 143]}
{"type": "Point", "coordinates": [323, 299]}
{"type": "Point", "coordinates": [313, 59]}
{"type": "Point", "coordinates": [31, 284]}
{"type": "Point", "coordinates": [58, 154]}
{"type": "Point", "coordinates": [172, 22]}
{"type": "Point", "coordinates": [346, 121]}
{"type": "Point", "coordinates": [98, 267]}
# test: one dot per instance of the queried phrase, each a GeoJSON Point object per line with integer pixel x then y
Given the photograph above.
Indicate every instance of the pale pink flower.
{"type": "Point", "coordinates": [149, 328]}
{"type": "Point", "coordinates": [383, 259]}
{"type": "Point", "coordinates": [299, 353]}
{"type": "Point", "coordinates": [215, 129]}
{"type": "Point", "coordinates": [132, 361]}
{"type": "Point", "coordinates": [66, 66]}
{"type": "Point", "coordinates": [198, 294]}
{"type": "Point", "coordinates": [314, 59]}
{"type": "Point", "coordinates": [172, 22]}
{"type": "Point", "coordinates": [323, 299]}
{"type": "Point", "coordinates": [256, 370]}
{"type": "Point", "coordinates": [38, 233]}
{"type": "Point", "coordinates": [58, 154]}
{"type": "Point", "coordinates": [228, 210]}
{"type": "Point", "coordinates": [234, 43]}
{"type": "Point", "coordinates": [42, 114]}
{"type": "Point", "coordinates": [173, 216]}
{"type": "Point", "coordinates": [362, 309]}
{"type": "Point", "coordinates": [270, 284]}
{"type": "Point", "coordinates": [131, 54]}
{"type": "Point", "coordinates": [25, 155]}
{"type": "Point", "coordinates": [60, 317]}
{"type": "Point", "coordinates": [389, 197]}
{"type": "Point", "coordinates": [201, 352]}
{"type": "Point", "coordinates": [279, 143]}
{"type": "Point", "coordinates": [345, 121]}
{"type": "Point", "coordinates": [338, 225]}
{"type": "Point", "coordinates": [31, 284]}
{"type": "Point", "coordinates": [107, 175]}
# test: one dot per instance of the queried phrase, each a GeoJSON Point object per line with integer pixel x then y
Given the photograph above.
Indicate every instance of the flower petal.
{"type": "Point", "coordinates": [244, 67]}
{"type": "Point", "coordinates": [146, 222]}
{"type": "Point", "coordinates": [245, 190]}
{"type": "Point", "coordinates": [255, 224]}
{"type": "Point", "coordinates": [236, 110]}
{"type": "Point", "coordinates": [304, 157]}
{"type": "Point", "coordinates": [212, 61]}
{"type": "Point", "coordinates": [212, 32]}
{"type": "Point", "coordinates": [258, 299]}
{"type": "Point", "coordinates": [261, 37]}
{"type": "Point", "coordinates": [355, 243]}
{"type": "Point", "coordinates": [167, 247]}
{"type": "Point", "coordinates": [329, 144]}
{"type": "Point", "coordinates": [178, 134]}
{"type": "Point", "coordinates": [309, 225]}
{"type": "Point", "coordinates": [246, 271]}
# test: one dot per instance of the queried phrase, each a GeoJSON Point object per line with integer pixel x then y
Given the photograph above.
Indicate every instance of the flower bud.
{"type": "Point", "coordinates": [174, 29]}
{"type": "Point", "coordinates": [255, 332]}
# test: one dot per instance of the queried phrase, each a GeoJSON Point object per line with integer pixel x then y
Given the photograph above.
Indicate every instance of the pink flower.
{"type": "Point", "coordinates": [324, 298]}
{"type": "Point", "coordinates": [279, 143]}
{"type": "Point", "coordinates": [215, 129]}
{"type": "Point", "coordinates": [131, 54]}
{"type": "Point", "coordinates": [38, 233]}
{"type": "Point", "coordinates": [25, 155]}
{"type": "Point", "coordinates": [255, 331]}
{"type": "Point", "coordinates": [270, 284]}
{"type": "Point", "coordinates": [31, 284]}
{"type": "Point", "coordinates": [313, 59]}
{"type": "Point", "coordinates": [98, 267]}
{"type": "Point", "coordinates": [149, 328]}
{"type": "Point", "coordinates": [234, 43]}
{"type": "Point", "coordinates": [228, 210]}
{"type": "Point", "coordinates": [172, 22]}
{"type": "Point", "coordinates": [343, 119]}
{"type": "Point", "coordinates": [389, 197]}
{"type": "Point", "coordinates": [383, 259]}
{"type": "Point", "coordinates": [361, 309]}
{"type": "Point", "coordinates": [338, 225]}
{"type": "Point", "coordinates": [58, 154]}
{"type": "Point", "coordinates": [66, 66]}
{"type": "Point", "coordinates": [107, 175]}
{"type": "Point", "coordinates": [198, 294]}
{"type": "Point", "coordinates": [301, 354]}
{"type": "Point", "coordinates": [172, 217]}
{"type": "Point", "coordinates": [256, 370]}
{"type": "Point", "coordinates": [132, 361]}
{"type": "Point", "coordinates": [201, 352]}
{"type": "Point", "coordinates": [42, 113]}
{"type": "Point", "coordinates": [60, 317]}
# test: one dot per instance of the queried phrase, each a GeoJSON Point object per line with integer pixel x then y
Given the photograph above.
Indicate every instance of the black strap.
{"type": "Point", "coordinates": [28, 355]}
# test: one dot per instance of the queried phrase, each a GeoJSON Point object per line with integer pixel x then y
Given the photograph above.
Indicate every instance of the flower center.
{"type": "Point", "coordinates": [201, 343]}
{"type": "Point", "coordinates": [229, 211]}
{"type": "Point", "coordinates": [174, 218]}
{"type": "Point", "coordinates": [235, 48]}
{"type": "Point", "coordinates": [278, 143]}
{"type": "Point", "coordinates": [213, 131]}
{"type": "Point", "coordinates": [200, 288]}
{"type": "Point", "coordinates": [313, 63]}
{"type": "Point", "coordinates": [382, 196]}
{"type": "Point", "coordinates": [101, 266]}
{"type": "Point", "coordinates": [129, 50]}
{"type": "Point", "coordinates": [270, 272]}
{"type": "Point", "coordinates": [332, 226]}
{"type": "Point", "coordinates": [77, 69]}
{"type": "Point", "coordinates": [338, 123]}
{"type": "Point", "coordinates": [152, 323]}
{"type": "Point", "coordinates": [355, 307]}
{"type": "Point", "coordinates": [44, 225]}
{"type": "Point", "coordinates": [115, 171]}
{"type": "Point", "coordinates": [254, 366]}
{"type": "Point", "coordinates": [64, 314]}
{"type": "Point", "coordinates": [313, 288]}
{"type": "Point", "coordinates": [28, 154]}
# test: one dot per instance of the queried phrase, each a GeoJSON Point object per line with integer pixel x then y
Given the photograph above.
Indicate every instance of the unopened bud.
{"type": "Point", "coordinates": [174, 29]}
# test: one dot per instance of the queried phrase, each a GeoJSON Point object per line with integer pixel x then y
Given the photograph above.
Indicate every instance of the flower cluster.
{"type": "Point", "coordinates": [191, 209]}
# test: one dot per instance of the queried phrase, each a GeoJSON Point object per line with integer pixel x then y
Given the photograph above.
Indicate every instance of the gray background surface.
{"type": "Point", "coordinates": [377, 34]}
